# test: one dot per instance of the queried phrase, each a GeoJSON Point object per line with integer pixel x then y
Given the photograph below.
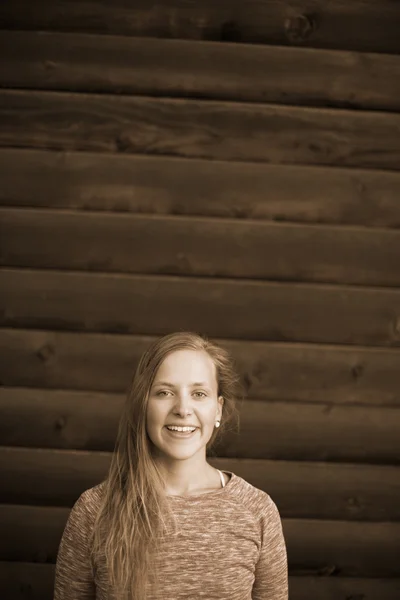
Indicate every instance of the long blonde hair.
{"type": "Point", "coordinates": [131, 520]}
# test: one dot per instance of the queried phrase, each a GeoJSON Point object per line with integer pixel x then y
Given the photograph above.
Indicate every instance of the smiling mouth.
{"type": "Point", "coordinates": [181, 427]}
{"type": "Point", "coordinates": [181, 432]}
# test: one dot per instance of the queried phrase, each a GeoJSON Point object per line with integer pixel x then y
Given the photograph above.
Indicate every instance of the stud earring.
{"type": "Point", "coordinates": [217, 423]}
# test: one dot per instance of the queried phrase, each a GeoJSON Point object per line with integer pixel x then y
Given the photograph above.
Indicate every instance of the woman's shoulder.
{"type": "Point", "coordinates": [87, 504]}
{"type": "Point", "coordinates": [257, 501]}
{"type": "Point", "coordinates": [93, 494]}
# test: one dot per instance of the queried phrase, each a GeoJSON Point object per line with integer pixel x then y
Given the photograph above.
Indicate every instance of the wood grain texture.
{"type": "Point", "coordinates": [198, 247]}
{"type": "Point", "coordinates": [200, 129]}
{"type": "Point", "coordinates": [156, 305]}
{"type": "Point", "coordinates": [24, 580]}
{"type": "Point", "coordinates": [320, 427]}
{"type": "Point", "coordinates": [315, 547]}
{"type": "Point", "coordinates": [34, 581]}
{"type": "Point", "coordinates": [239, 72]}
{"type": "Point", "coordinates": [162, 185]}
{"type": "Point", "coordinates": [268, 430]}
{"type": "Point", "coordinates": [322, 490]}
{"type": "Point", "coordinates": [268, 370]}
{"type": "Point", "coordinates": [343, 588]}
{"type": "Point", "coordinates": [360, 24]}
{"type": "Point", "coordinates": [342, 548]}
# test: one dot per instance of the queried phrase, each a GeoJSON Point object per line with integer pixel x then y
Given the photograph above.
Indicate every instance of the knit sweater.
{"type": "Point", "coordinates": [229, 546]}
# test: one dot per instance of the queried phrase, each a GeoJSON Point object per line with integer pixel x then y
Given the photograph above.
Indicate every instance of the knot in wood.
{"type": "Point", "coordinates": [354, 504]}
{"type": "Point", "coordinates": [357, 371]}
{"type": "Point", "coordinates": [60, 423]}
{"type": "Point", "coordinates": [328, 570]}
{"type": "Point", "coordinates": [183, 263]}
{"type": "Point", "coordinates": [239, 212]}
{"type": "Point", "coordinates": [46, 352]}
{"type": "Point", "coordinates": [299, 28]}
{"type": "Point", "coordinates": [123, 143]}
{"type": "Point", "coordinates": [396, 329]}
{"type": "Point", "coordinates": [49, 65]}
{"type": "Point", "coordinates": [247, 381]}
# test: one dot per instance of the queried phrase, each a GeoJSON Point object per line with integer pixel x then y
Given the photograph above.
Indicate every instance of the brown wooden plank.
{"type": "Point", "coordinates": [271, 430]}
{"type": "Point", "coordinates": [88, 63]}
{"type": "Point", "coordinates": [343, 588]}
{"type": "Point", "coordinates": [162, 185]}
{"type": "Point", "coordinates": [360, 24]}
{"type": "Point", "coordinates": [198, 247]}
{"type": "Point", "coordinates": [342, 548]}
{"type": "Point", "coordinates": [43, 477]}
{"type": "Point", "coordinates": [200, 129]}
{"type": "Point", "coordinates": [221, 308]}
{"type": "Point", "coordinates": [323, 490]}
{"type": "Point", "coordinates": [32, 534]}
{"type": "Point", "coordinates": [24, 580]}
{"type": "Point", "coordinates": [269, 371]}
{"type": "Point", "coordinates": [20, 581]}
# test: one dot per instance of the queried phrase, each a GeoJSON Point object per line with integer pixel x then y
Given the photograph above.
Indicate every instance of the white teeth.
{"type": "Point", "coordinates": [183, 429]}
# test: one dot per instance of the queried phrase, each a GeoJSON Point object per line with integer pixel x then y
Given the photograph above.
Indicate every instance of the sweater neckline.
{"type": "Point", "coordinates": [222, 490]}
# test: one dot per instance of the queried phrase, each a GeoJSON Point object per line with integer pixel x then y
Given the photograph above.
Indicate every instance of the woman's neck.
{"type": "Point", "coordinates": [188, 477]}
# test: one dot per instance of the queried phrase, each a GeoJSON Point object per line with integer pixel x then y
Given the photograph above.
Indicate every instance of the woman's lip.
{"type": "Point", "coordinates": [180, 425]}
{"type": "Point", "coordinates": [182, 434]}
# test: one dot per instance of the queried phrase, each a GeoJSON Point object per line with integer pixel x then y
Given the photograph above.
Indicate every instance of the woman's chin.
{"type": "Point", "coordinates": [178, 450]}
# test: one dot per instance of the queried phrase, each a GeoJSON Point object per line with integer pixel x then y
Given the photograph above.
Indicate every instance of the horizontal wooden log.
{"type": "Point", "coordinates": [200, 129]}
{"type": "Point", "coordinates": [88, 63]}
{"type": "Point", "coordinates": [46, 477]}
{"type": "Point", "coordinates": [32, 534]}
{"type": "Point", "coordinates": [35, 581]}
{"type": "Point", "coordinates": [323, 490]}
{"type": "Point", "coordinates": [220, 308]}
{"type": "Point", "coordinates": [162, 185]}
{"type": "Point", "coordinates": [342, 548]}
{"type": "Point", "coordinates": [277, 430]}
{"type": "Point", "coordinates": [343, 588]}
{"type": "Point", "coordinates": [24, 580]}
{"type": "Point", "coordinates": [360, 24]}
{"type": "Point", "coordinates": [268, 371]}
{"type": "Point", "coordinates": [198, 247]}
{"type": "Point", "coordinates": [43, 529]}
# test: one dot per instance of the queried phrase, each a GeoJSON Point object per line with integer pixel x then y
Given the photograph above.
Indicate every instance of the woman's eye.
{"type": "Point", "coordinates": [166, 392]}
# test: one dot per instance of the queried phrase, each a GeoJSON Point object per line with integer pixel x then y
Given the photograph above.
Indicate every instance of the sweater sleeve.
{"type": "Point", "coordinates": [74, 576]}
{"type": "Point", "coordinates": [271, 574]}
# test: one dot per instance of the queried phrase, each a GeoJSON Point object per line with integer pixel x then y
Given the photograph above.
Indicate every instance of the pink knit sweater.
{"type": "Point", "coordinates": [229, 546]}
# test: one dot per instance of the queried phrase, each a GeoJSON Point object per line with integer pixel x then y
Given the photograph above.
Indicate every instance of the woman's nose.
{"type": "Point", "coordinates": [183, 405]}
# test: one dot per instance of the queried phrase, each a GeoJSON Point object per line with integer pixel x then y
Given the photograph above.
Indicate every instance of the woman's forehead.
{"type": "Point", "coordinates": [186, 365]}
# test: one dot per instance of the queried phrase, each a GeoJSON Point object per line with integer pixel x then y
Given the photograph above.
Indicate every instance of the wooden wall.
{"type": "Point", "coordinates": [229, 167]}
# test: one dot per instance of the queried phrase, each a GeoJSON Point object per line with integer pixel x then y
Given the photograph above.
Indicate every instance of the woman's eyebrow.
{"type": "Point", "coordinates": [157, 383]}
{"type": "Point", "coordinates": [167, 384]}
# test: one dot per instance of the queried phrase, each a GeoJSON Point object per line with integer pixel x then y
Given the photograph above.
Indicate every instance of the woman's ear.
{"type": "Point", "coordinates": [220, 405]}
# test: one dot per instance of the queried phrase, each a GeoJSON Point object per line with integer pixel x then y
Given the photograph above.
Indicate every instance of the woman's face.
{"type": "Point", "coordinates": [183, 394]}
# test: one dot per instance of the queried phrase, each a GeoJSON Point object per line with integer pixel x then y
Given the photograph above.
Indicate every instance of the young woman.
{"type": "Point", "coordinates": [165, 524]}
